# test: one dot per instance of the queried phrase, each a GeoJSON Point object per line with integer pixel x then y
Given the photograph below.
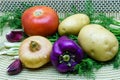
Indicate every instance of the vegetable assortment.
{"type": "Point", "coordinates": [78, 41]}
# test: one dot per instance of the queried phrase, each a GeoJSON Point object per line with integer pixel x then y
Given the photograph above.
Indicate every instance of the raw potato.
{"type": "Point", "coordinates": [73, 24]}
{"type": "Point", "coordinates": [35, 56]}
{"type": "Point", "coordinates": [98, 42]}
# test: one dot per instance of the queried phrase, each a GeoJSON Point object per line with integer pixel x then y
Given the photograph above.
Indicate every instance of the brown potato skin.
{"type": "Point", "coordinates": [73, 24]}
{"type": "Point", "coordinates": [35, 59]}
{"type": "Point", "coordinates": [99, 43]}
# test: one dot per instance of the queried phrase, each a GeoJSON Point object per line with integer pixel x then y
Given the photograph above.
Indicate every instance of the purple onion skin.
{"type": "Point", "coordinates": [59, 47]}
{"type": "Point", "coordinates": [14, 36]}
{"type": "Point", "coordinates": [15, 67]}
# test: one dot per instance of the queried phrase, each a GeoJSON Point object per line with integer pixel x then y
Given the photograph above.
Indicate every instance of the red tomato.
{"type": "Point", "coordinates": [40, 20]}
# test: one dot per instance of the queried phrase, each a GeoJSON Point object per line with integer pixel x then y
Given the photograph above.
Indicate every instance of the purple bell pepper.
{"type": "Point", "coordinates": [66, 54]}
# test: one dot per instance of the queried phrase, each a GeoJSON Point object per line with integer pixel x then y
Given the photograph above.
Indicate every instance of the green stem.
{"type": "Point", "coordinates": [66, 57]}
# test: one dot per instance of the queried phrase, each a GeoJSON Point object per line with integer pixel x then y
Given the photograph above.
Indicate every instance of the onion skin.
{"type": "Point", "coordinates": [38, 56]}
{"type": "Point", "coordinates": [15, 36]}
{"type": "Point", "coordinates": [15, 67]}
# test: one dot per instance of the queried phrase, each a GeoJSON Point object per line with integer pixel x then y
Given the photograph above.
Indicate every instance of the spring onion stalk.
{"type": "Point", "coordinates": [12, 45]}
{"type": "Point", "coordinates": [15, 57]}
{"type": "Point", "coordinates": [10, 49]}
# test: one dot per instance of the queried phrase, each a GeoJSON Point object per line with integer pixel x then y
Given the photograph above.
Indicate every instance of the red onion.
{"type": "Point", "coordinates": [15, 36]}
{"type": "Point", "coordinates": [15, 67]}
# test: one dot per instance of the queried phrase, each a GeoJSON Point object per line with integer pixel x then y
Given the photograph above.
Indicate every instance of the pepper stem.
{"type": "Point", "coordinates": [34, 46]}
{"type": "Point", "coordinates": [66, 57]}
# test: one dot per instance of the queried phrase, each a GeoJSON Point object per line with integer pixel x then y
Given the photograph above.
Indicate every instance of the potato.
{"type": "Point", "coordinates": [99, 43]}
{"type": "Point", "coordinates": [73, 24]}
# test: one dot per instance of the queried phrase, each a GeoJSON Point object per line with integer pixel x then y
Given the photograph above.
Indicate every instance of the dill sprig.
{"type": "Point", "coordinates": [88, 65]}
{"type": "Point", "coordinates": [54, 37]}
{"type": "Point", "coordinates": [110, 23]}
{"type": "Point", "coordinates": [12, 19]}
{"type": "Point", "coordinates": [116, 61]}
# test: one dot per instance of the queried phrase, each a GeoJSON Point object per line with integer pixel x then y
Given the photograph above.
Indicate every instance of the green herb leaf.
{"type": "Point", "coordinates": [106, 22]}
{"type": "Point", "coordinates": [116, 62]}
{"type": "Point", "coordinates": [54, 37]}
{"type": "Point", "coordinates": [87, 68]}
{"type": "Point", "coordinates": [87, 65]}
{"type": "Point", "coordinates": [89, 8]}
{"type": "Point", "coordinates": [12, 19]}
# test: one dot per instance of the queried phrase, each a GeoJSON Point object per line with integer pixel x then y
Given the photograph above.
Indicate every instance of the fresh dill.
{"type": "Point", "coordinates": [88, 65]}
{"type": "Point", "coordinates": [12, 19]}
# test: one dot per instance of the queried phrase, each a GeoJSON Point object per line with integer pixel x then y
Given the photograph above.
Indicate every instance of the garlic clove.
{"type": "Point", "coordinates": [15, 67]}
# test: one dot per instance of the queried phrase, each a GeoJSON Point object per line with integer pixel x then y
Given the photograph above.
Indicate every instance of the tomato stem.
{"type": "Point", "coordinates": [34, 46]}
{"type": "Point", "coordinates": [37, 13]}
